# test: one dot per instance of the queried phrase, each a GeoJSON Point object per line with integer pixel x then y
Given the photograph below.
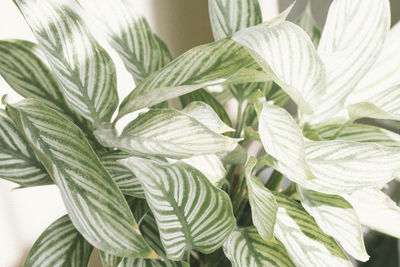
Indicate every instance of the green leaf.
{"type": "Point", "coordinates": [228, 17]}
{"type": "Point", "coordinates": [93, 200]}
{"type": "Point", "coordinates": [169, 133]}
{"type": "Point", "coordinates": [337, 218]}
{"type": "Point", "coordinates": [222, 62]}
{"type": "Point", "coordinates": [190, 212]}
{"type": "Point", "coordinates": [129, 262]}
{"type": "Point", "coordinates": [376, 210]}
{"type": "Point", "coordinates": [59, 245]}
{"type": "Point", "coordinates": [304, 241]}
{"type": "Point", "coordinates": [353, 37]}
{"type": "Point", "coordinates": [130, 35]}
{"type": "Point", "coordinates": [23, 68]}
{"type": "Point", "coordinates": [244, 247]}
{"type": "Point", "coordinates": [123, 177]}
{"type": "Point", "coordinates": [238, 155]}
{"type": "Point", "coordinates": [262, 202]}
{"type": "Point", "coordinates": [282, 51]}
{"type": "Point", "coordinates": [109, 260]}
{"type": "Point", "coordinates": [307, 23]}
{"type": "Point", "coordinates": [18, 162]}
{"type": "Point", "coordinates": [83, 69]}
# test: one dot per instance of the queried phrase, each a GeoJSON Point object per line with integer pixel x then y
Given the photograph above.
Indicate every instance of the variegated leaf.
{"type": "Point", "coordinates": [93, 200]}
{"type": "Point", "coordinates": [262, 202]}
{"type": "Point", "coordinates": [337, 218]}
{"type": "Point", "coordinates": [123, 177]}
{"type": "Point", "coordinates": [109, 260]}
{"type": "Point", "coordinates": [23, 68]}
{"type": "Point", "coordinates": [304, 241]}
{"type": "Point", "coordinates": [130, 35]}
{"type": "Point", "coordinates": [59, 245]}
{"type": "Point", "coordinates": [376, 210]}
{"type": "Point", "coordinates": [129, 262]}
{"type": "Point", "coordinates": [169, 133]}
{"type": "Point", "coordinates": [350, 44]}
{"type": "Point", "coordinates": [283, 50]}
{"type": "Point", "coordinates": [190, 212]}
{"type": "Point", "coordinates": [244, 247]}
{"type": "Point", "coordinates": [221, 62]}
{"type": "Point", "coordinates": [18, 162]}
{"type": "Point", "coordinates": [228, 17]}
{"type": "Point", "coordinates": [307, 23]}
{"type": "Point", "coordinates": [83, 69]}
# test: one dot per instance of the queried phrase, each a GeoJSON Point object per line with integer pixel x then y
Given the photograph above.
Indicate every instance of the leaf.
{"type": "Point", "coordinates": [129, 262]}
{"type": "Point", "coordinates": [23, 68]}
{"type": "Point", "coordinates": [169, 133]}
{"type": "Point", "coordinates": [238, 155]}
{"type": "Point", "coordinates": [304, 241]}
{"type": "Point", "coordinates": [109, 260]}
{"type": "Point", "coordinates": [59, 245]}
{"type": "Point", "coordinates": [262, 202]}
{"type": "Point", "coordinates": [221, 62]}
{"type": "Point", "coordinates": [337, 218]}
{"type": "Point", "coordinates": [308, 24]}
{"type": "Point", "coordinates": [123, 177]}
{"type": "Point", "coordinates": [204, 96]}
{"type": "Point", "coordinates": [353, 37]}
{"type": "Point", "coordinates": [282, 51]}
{"type": "Point", "coordinates": [376, 210]}
{"type": "Point", "coordinates": [283, 140]}
{"type": "Point", "coordinates": [18, 162]}
{"type": "Point", "coordinates": [94, 203]}
{"type": "Point", "coordinates": [83, 69]}
{"type": "Point", "coordinates": [228, 17]}
{"type": "Point", "coordinates": [244, 247]}
{"type": "Point", "coordinates": [190, 212]}
{"type": "Point", "coordinates": [130, 35]}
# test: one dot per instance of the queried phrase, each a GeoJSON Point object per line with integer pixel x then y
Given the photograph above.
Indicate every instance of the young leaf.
{"type": "Point", "coordinates": [18, 162]}
{"type": "Point", "coordinates": [169, 133]}
{"type": "Point", "coordinates": [123, 177]}
{"type": "Point", "coordinates": [282, 51]}
{"type": "Point", "coordinates": [190, 212]}
{"type": "Point", "coordinates": [84, 70]}
{"type": "Point", "coordinates": [130, 35]}
{"type": "Point", "coordinates": [308, 24]}
{"type": "Point", "coordinates": [337, 218]}
{"type": "Point", "coordinates": [59, 245]}
{"type": "Point", "coordinates": [93, 200]}
{"type": "Point", "coordinates": [304, 241]}
{"type": "Point", "coordinates": [353, 37]}
{"type": "Point", "coordinates": [262, 202]}
{"type": "Point", "coordinates": [228, 17]}
{"type": "Point", "coordinates": [376, 210]}
{"type": "Point", "coordinates": [244, 247]}
{"type": "Point", "coordinates": [23, 68]}
{"type": "Point", "coordinates": [220, 62]}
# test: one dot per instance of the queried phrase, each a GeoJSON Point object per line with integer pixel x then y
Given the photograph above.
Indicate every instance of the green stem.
{"type": "Point", "coordinates": [275, 181]}
{"type": "Point", "coordinates": [239, 121]}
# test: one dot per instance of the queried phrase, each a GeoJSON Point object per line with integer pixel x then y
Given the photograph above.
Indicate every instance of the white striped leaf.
{"type": "Point", "coordinates": [84, 70]}
{"type": "Point", "coordinates": [123, 177]}
{"type": "Point", "coordinates": [283, 140]}
{"type": "Point", "coordinates": [304, 241]}
{"type": "Point", "coordinates": [190, 212]}
{"type": "Point", "coordinates": [337, 218]}
{"type": "Point", "coordinates": [286, 53]}
{"type": "Point", "coordinates": [262, 202]}
{"type": "Point", "coordinates": [169, 133]}
{"type": "Point", "coordinates": [307, 23]}
{"type": "Point", "coordinates": [23, 68]}
{"type": "Point", "coordinates": [109, 260]}
{"type": "Point", "coordinates": [228, 17]}
{"type": "Point", "coordinates": [59, 245]}
{"type": "Point", "coordinates": [376, 210]}
{"type": "Point", "coordinates": [130, 35]}
{"type": "Point", "coordinates": [18, 162]}
{"type": "Point", "coordinates": [221, 62]}
{"type": "Point", "coordinates": [244, 247]}
{"type": "Point", "coordinates": [93, 200]}
{"type": "Point", "coordinates": [130, 262]}
{"type": "Point", "coordinates": [350, 44]}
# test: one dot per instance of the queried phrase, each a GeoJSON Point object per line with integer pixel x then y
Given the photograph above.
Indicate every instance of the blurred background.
{"type": "Point", "coordinates": [182, 24]}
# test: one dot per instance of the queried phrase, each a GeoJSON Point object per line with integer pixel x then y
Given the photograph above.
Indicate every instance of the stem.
{"type": "Point", "coordinates": [239, 121]}
{"type": "Point", "coordinates": [275, 181]}
{"type": "Point", "coordinates": [187, 256]}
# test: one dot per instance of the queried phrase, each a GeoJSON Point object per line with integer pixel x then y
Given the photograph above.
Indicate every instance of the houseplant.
{"type": "Point", "coordinates": [176, 187]}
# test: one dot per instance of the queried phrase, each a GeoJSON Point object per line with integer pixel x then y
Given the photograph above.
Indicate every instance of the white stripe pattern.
{"type": "Point", "coordinates": [93, 200]}
{"type": "Point", "coordinates": [83, 69]}
{"type": "Point", "coordinates": [244, 247]}
{"type": "Point", "coordinates": [190, 212]}
{"type": "Point", "coordinates": [307, 23]}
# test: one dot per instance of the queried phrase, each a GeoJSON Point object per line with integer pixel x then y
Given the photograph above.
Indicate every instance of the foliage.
{"type": "Point", "coordinates": [176, 186]}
